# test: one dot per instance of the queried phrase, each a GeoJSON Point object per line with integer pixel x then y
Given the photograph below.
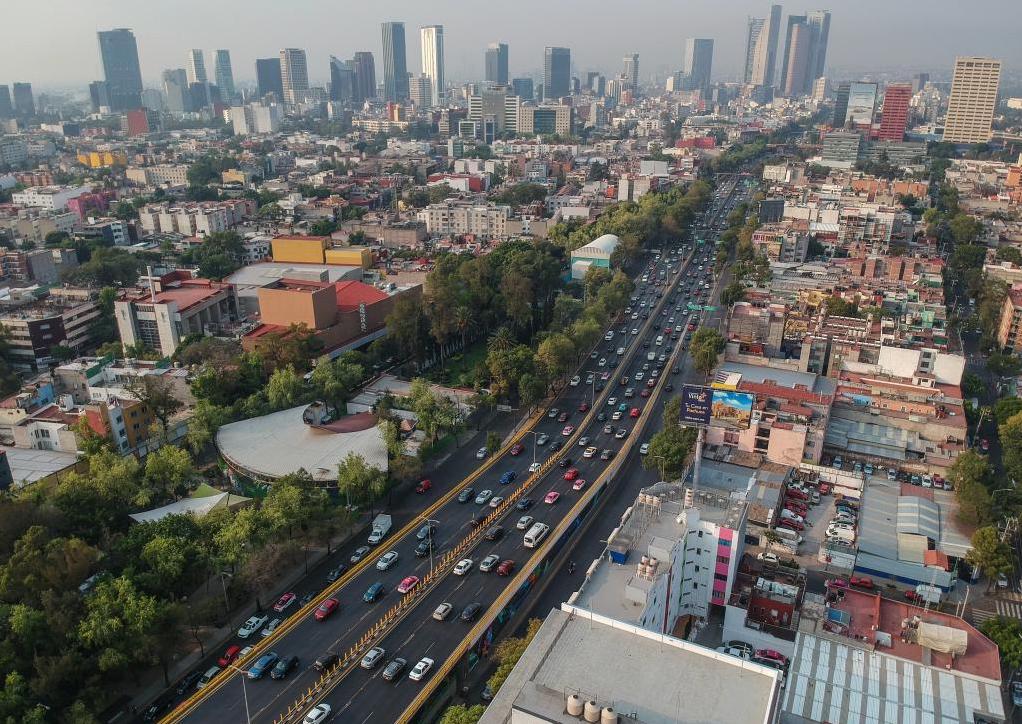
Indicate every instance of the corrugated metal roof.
{"type": "Point", "coordinates": [918, 515]}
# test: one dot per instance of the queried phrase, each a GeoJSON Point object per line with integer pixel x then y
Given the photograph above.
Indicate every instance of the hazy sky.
{"type": "Point", "coordinates": [53, 42]}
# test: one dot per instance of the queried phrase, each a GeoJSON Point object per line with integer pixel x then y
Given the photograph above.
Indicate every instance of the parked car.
{"type": "Point", "coordinates": [285, 602]}
{"type": "Point", "coordinates": [335, 573]}
{"type": "Point", "coordinates": [771, 655]}
{"type": "Point", "coordinates": [229, 655]}
{"type": "Point", "coordinates": [861, 582]}
{"type": "Point", "coordinates": [359, 554]}
{"type": "Point", "coordinates": [481, 453]}
{"type": "Point", "coordinates": [424, 486]}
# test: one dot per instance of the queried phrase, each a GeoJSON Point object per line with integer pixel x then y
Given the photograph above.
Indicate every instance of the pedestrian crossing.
{"type": "Point", "coordinates": [978, 616]}
{"type": "Point", "coordinates": [1008, 609]}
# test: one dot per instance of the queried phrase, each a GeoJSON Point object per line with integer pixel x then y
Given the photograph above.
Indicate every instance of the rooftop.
{"type": "Point", "coordinates": [185, 293]}
{"type": "Point", "coordinates": [30, 466]}
{"type": "Point", "coordinates": [266, 273]}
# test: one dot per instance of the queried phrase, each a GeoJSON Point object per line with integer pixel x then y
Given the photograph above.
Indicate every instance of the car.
{"type": "Point", "coordinates": [768, 557]}
{"type": "Point", "coordinates": [424, 486]}
{"type": "Point", "coordinates": [508, 477]}
{"type": "Point", "coordinates": [263, 664]}
{"type": "Point", "coordinates": [629, 392]}
{"type": "Point", "coordinates": [617, 415]}
{"type": "Point", "coordinates": [359, 554]}
{"type": "Point", "coordinates": [534, 467]}
{"type": "Point", "coordinates": [441, 612]}
{"type": "Point", "coordinates": [639, 375]}
{"type": "Point", "coordinates": [552, 497]}
{"type": "Point", "coordinates": [283, 667]}
{"type": "Point", "coordinates": [326, 661]}
{"type": "Point", "coordinates": [568, 429]}
{"type": "Point", "coordinates": [426, 531]}
{"type": "Point", "coordinates": [387, 561]}
{"type": "Point", "coordinates": [158, 708]}
{"type": "Point", "coordinates": [836, 583]}
{"type": "Point", "coordinates": [892, 474]}
{"type": "Point", "coordinates": [496, 500]}
{"type": "Point", "coordinates": [645, 392]}
{"type": "Point", "coordinates": [317, 714]}
{"type": "Point", "coordinates": [333, 575]}
{"type": "Point", "coordinates": [563, 417]}
{"type": "Point", "coordinates": [506, 567]}
{"type": "Point", "coordinates": [373, 593]}
{"type": "Point", "coordinates": [408, 584]}
{"type": "Point", "coordinates": [861, 582]}
{"type": "Point", "coordinates": [326, 609]}
{"type": "Point", "coordinates": [734, 651]}
{"type": "Point", "coordinates": [253, 624]}
{"type": "Point", "coordinates": [488, 563]}
{"type": "Point", "coordinates": [207, 677]}
{"type": "Point", "coordinates": [564, 463]}
{"type": "Point", "coordinates": [1002, 580]}
{"type": "Point", "coordinates": [466, 495]}
{"type": "Point", "coordinates": [517, 449]}
{"type": "Point", "coordinates": [578, 484]}
{"type": "Point", "coordinates": [622, 407]}
{"type": "Point", "coordinates": [589, 452]}
{"type": "Point", "coordinates": [571, 474]}
{"type": "Point", "coordinates": [189, 681]}
{"type": "Point", "coordinates": [1016, 693]}
{"type": "Point", "coordinates": [622, 432]}
{"type": "Point", "coordinates": [524, 503]}
{"type": "Point", "coordinates": [373, 657]}
{"type": "Point", "coordinates": [791, 524]}
{"type": "Point", "coordinates": [423, 549]}
{"type": "Point", "coordinates": [583, 441]}
{"type": "Point", "coordinates": [772, 655]}
{"type": "Point", "coordinates": [495, 532]}
{"type": "Point", "coordinates": [644, 448]}
{"type": "Point", "coordinates": [606, 454]}
{"type": "Point", "coordinates": [285, 602]}
{"type": "Point", "coordinates": [611, 401]}
{"type": "Point", "coordinates": [481, 453]}
{"type": "Point", "coordinates": [634, 413]}
{"type": "Point", "coordinates": [419, 671]}
{"type": "Point", "coordinates": [575, 381]}
{"type": "Point", "coordinates": [552, 413]}
{"type": "Point", "coordinates": [271, 627]}
{"type": "Point", "coordinates": [542, 439]}
{"type": "Point", "coordinates": [471, 611]}
{"type": "Point", "coordinates": [463, 566]}
{"type": "Point", "coordinates": [483, 497]}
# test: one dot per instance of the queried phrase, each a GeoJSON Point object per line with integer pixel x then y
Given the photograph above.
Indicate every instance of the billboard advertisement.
{"type": "Point", "coordinates": [731, 409]}
{"type": "Point", "coordinates": [696, 405]}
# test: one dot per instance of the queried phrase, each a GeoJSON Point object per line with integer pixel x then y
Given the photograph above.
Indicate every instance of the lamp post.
{"type": "Point", "coordinates": [535, 437]}
{"type": "Point", "coordinates": [244, 690]}
{"type": "Point", "coordinates": [430, 522]}
{"type": "Point", "coordinates": [663, 465]}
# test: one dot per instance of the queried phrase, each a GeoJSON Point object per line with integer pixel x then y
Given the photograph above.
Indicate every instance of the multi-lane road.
{"type": "Point", "coordinates": [361, 696]}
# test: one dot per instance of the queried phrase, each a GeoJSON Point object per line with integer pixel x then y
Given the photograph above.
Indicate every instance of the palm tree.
{"type": "Point", "coordinates": [463, 319]}
{"type": "Point", "coordinates": [503, 339]}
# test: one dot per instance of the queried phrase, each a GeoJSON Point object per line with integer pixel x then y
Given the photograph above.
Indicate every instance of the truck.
{"type": "Point", "coordinates": [381, 526]}
{"type": "Point", "coordinates": [925, 594]}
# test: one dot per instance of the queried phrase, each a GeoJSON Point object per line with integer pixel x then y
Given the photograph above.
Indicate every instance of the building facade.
{"type": "Point", "coordinates": [970, 111]}
{"type": "Point", "coordinates": [123, 76]}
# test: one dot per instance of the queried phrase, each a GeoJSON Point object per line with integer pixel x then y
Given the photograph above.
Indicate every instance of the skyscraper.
{"type": "Point", "coordinates": [697, 63]}
{"type": "Point", "coordinates": [119, 53]}
{"type": "Point", "coordinates": [99, 95]}
{"type": "Point", "coordinates": [841, 104]}
{"type": "Point", "coordinates": [224, 75]}
{"type": "Point", "coordinates": [496, 63]}
{"type": "Point", "coordinates": [795, 63]}
{"type": "Point", "coordinates": [420, 91]}
{"type": "Point", "coordinates": [175, 87]}
{"type": "Point", "coordinates": [556, 72]}
{"type": "Point", "coordinates": [970, 109]}
{"type": "Point", "coordinates": [395, 67]}
{"type": "Point", "coordinates": [196, 67]}
{"type": "Point", "coordinates": [762, 46]}
{"type": "Point", "coordinates": [268, 77]}
{"type": "Point", "coordinates": [631, 70]}
{"type": "Point", "coordinates": [895, 112]}
{"type": "Point", "coordinates": [365, 76]}
{"type": "Point", "coordinates": [819, 25]}
{"type": "Point", "coordinates": [6, 107]}
{"type": "Point", "coordinates": [432, 37]}
{"type": "Point", "coordinates": [523, 88]}
{"type": "Point", "coordinates": [24, 103]}
{"type": "Point", "coordinates": [294, 75]}
{"type": "Point", "coordinates": [342, 79]}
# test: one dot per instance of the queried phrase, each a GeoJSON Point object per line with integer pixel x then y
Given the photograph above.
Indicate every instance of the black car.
{"type": "Point", "coordinates": [157, 709]}
{"type": "Point", "coordinates": [555, 445]}
{"type": "Point", "coordinates": [675, 370]}
{"type": "Point", "coordinates": [524, 504]}
{"type": "Point", "coordinates": [466, 495]}
{"type": "Point", "coordinates": [422, 550]}
{"type": "Point", "coordinates": [305, 599]}
{"type": "Point", "coordinates": [335, 573]}
{"type": "Point", "coordinates": [426, 531]}
{"type": "Point", "coordinates": [285, 666]}
{"type": "Point", "coordinates": [394, 669]}
{"type": "Point", "coordinates": [326, 661]}
{"type": "Point", "coordinates": [669, 388]}
{"type": "Point", "coordinates": [565, 463]}
{"type": "Point", "coordinates": [189, 681]}
{"type": "Point", "coordinates": [495, 532]}
{"type": "Point", "coordinates": [471, 611]}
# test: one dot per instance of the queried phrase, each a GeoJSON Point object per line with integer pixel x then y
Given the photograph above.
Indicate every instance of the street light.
{"type": "Point", "coordinates": [430, 522]}
{"type": "Point", "coordinates": [244, 689]}
{"type": "Point", "coordinates": [535, 437]}
{"type": "Point", "coordinates": [663, 465]}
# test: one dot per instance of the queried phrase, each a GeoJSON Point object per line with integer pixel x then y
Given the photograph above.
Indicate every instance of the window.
{"type": "Point", "coordinates": [722, 559]}
{"type": "Point", "coordinates": [720, 577]}
{"type": "Point", "coordinates": [724, 542]}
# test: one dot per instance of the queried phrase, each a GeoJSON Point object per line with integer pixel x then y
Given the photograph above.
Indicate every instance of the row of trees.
{"type": "Point", "coordinates": [671, 447]}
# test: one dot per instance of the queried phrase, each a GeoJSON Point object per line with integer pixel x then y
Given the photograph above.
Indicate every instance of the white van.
{"type": "Point", "coordinates": [536, 535]}
{"type": "Point", "coordinates": [788, 535]}
{"type": "Point", "coordinates": [650, 356]}
{"type": "Point", "coordinates": [841, 534]}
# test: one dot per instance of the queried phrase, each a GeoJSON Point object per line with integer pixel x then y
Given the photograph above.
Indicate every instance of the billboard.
{"type": "Point", "coordinates": [731, 409]}
{"type": "Point", "coordinates": [696, 404]}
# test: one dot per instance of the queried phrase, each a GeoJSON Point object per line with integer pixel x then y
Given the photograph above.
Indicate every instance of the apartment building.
{"type": "Point", "coordinates": [783, 242]}
{"type": "Point", "coordinates": [33, 224]}
{"type": "Point", "coordinates": [1008, 337]}
{"type": "Point", "coordinates": [455, 218]}
{"type": "Point", "coordinates": [198, 219]}
{"type": "Point", "coordinates": [50, 198]}
{"type": "Point", "coordinates": [166, 174]}
{"type": "Point", "coordinates": [36, 325]}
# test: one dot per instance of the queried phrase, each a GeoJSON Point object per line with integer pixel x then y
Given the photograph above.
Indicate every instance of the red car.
{"type": "Point", "coordinates": [424, 485]}
{"type": "Point", "coordinates": [578, 484]}
{"type": "Point", "coordinates": [284, 602]}
{"type": "Point", "coordinates": [505, 568]}
{"type": "Point", "coordinates": [407, 584]}
{"type": "Point", "coordinates": [772, 655]}
{"type": "Point", "coordinates": [796, 508]}
{"type": "Point", "coordinates": [861, 582]}
{"type": "Point", "coordinates": [791, 524]}
{"type": "Point", "coordinates": [824, 489]}
{"type": "Point", "coordinates": [836, 583]}
{"type": "Point", "coordinates": [517, 448]}
{"type": "Point", "coordinates": [571, 473]}
{"type": "Point", "coordinates": [583, 407]}
{"type": "Point", "coordinates": [229, 655]}
{"type": "Point", "coordinates": [326, 609]}
{"type": "Point", "coordinates": [563, 417]}
{"type": "Point", "coordinates": [552, 497]}
{"type": "Point", "coordinates": [568, 429]}
{"type": "Point", "coordinates": [634, 412]}
{"type": "Point", "coordinates": [797, 494]}
{"type": "Point", "coordinates": [913, 597]}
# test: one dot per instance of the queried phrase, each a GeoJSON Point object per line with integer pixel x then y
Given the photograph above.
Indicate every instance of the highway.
{"type": "Point", "coordinates": [362, 696]}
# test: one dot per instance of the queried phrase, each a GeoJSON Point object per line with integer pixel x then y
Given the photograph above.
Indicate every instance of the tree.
{"type": "Point", "coordinates": [990, 555]}
{"type": "Point", "coordinates": [168, 468]}
{"type": "Point", "coordinates": [119, 623]}
{"type": "Point", "coordinates": [323, 227]}
{"type": "Point", "coordinates": [973, 385]}
{"type": "Point", "coordinates": [971, 478]}
{"type": "Point", "coordinates": [555, 354]}
{"type": "Point", "coordinates": [509, 651]}
{"type": "Point", "coordinates": [219, 255]}
{"type": "Point", "coordinates": [157, 394]}
{"type": "Point", "coordinates": [1010, 434]}
{"type": "Point", "coordinates": [284, 388]}
{"type": "Point", "coordinates": [463, 714]}
{"type": "Point", "coordinates": [125, 211]}
{"type": "Point", "coordinates": [1006, 407]}
{"type": "Point", "coordinates": [493, 441]}
{"type": "Point", "coordinates": [965, 228]}
{"type": "Point", "coordinates": [733, 293]}
{"type": "Point", "coordinates": [669, 450]}
{"type": "Point", "coordinates": [335, 380]}
{"type": "Point", "coordinates": [360, 481]}
{"type": "Point", "coordinates": [706, 346]}
{"type": "Point", "coordinates": [434, 412]}
{"type": "Point", "coordinates": [1007, 634]}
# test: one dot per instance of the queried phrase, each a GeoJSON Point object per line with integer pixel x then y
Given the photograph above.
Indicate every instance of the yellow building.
{"type": "Point", "coordinates": [103, 159]}
{"type": "Point", "coordinates": [317, 250]}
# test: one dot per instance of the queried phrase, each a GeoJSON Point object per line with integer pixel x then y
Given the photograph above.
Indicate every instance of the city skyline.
{"type": "Point", "coordinates": [949, 31]}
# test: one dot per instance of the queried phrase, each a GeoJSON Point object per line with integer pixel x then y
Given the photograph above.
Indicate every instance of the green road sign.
{"type": "Point", "coordinates": [693, 307]}
{"type": "Point", "coordinates": [707, 308]}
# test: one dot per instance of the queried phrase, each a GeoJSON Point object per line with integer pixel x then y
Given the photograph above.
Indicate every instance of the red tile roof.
{"type": "Point", "coordinates": [351, 294]}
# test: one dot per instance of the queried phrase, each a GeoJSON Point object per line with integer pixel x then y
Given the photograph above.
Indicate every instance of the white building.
{"type": "Point", "coordinates": [433, 59]}
{"type": "Point", "coordinates": [51, 198]}
{"type": "Point", "coordinates": [171, 174]}
{"type": "Point", "coordinates": [13, 151]}
{"type": "Point", "coordinates": [255, 119]}
{"type": "Point", "coordinates": [487, 221]}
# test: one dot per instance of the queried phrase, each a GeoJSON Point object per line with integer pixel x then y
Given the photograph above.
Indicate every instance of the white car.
{"type": "Point", "coordinates": [463, 566]}
{"type": "Point", "coordinates": [535, 466]}
{"type": "Point", "coordinates": [609, 335]}
{"type": "Point", "coordinates": [525, 522]}
{"type": "Point", "coordinates": [496, 500]}
{"type": "Point", "coordinates": [317, 714]}
{"type": "Point", "coordinates": [489, 563]}
{"type": "Point", "coordinates": [386, 561]}
{"type": "Point", "coordinates": [483, 497]}
{"type": "Point", "coordinates": [768, 557]}
{"type": "Point", "coordinates": [644, 448]}
{"type": "Point", "coordinates": [253, 624]}
{"type": "Point", "coordinates": [638, 376]}
{"type": "Point", "coordinates": [575, 381]}
{"type": "Point", "coordinates": [442, 611]}
{"type": "Point", "coordinates": [481, 453]}
{"type": "Point", "coordinates": [421, 669]}
{"type": "Point", "coordinates": [611, 401]}
{"type": "Point", "coordinates": [271, 627]}
{"type": "Point", "coordinates": [542, 439]}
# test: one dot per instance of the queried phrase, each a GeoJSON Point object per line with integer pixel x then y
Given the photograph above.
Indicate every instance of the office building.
{"type": "Point", "coordinates": [395, 67]}
{"type": "Point", "coordinates": [342, 79]}
{"type": "Point", "coordinates": [546, 120]}
{"type": "Point", "coordinates": [522, 87]}
{"type": "Point", "coordinates": [862, 102]}
{"type": "Point", "coordinates": [556, 73]}
{"type": "Point", "coordinates": [420, 91]}
{"type": "Point", "coordinates": [496, 63]}
{"type": "Point", "coordinates": [819, 26]}
{"type": "Point", "coordinates": [795, 63]}
{"type": "Point", "coordinates": [894, 120]}
{"type": "Point", "coordinates": [841, 104]}
{"type": "Point", "coordinates": [495, 106]}
{"type": "Point", "coordinates": [224, 75]}
{"type": "Point", "coordinates": [6, 106]}
{"type": "Point", "coordinates": [175, 88]}
{"type": "Point", "coordinates": [919, 81]}
{"type": "Point", "coordinates": [99, 95]}
{"type": "Point", "coordinates": [268, 77]}
{"type": "Point", "coordinates": [761, 48]}
{"type": "Point", "coordinates": [121, 72]}
{"type": "Point", "coordinates": [196, 67]}
{"type": "Point", "coordinates": [365, 76]}
{"type": "Point", "coordinates": [697, 63]}
{"type": "Point", "coordinates": [840, 149]}
{"type": "Point", "coordinates": [631, 71]}
{"type": "Point", "coordinates": [24, 103]}
{"type": "Point", "coordinates": [970, 110]}
{"type": "Point", "coordinates": [432, 39]}
{"type": "Point", "coordinates": [254, 118]}
{"type": "Point", "coordinates": [294, 75]}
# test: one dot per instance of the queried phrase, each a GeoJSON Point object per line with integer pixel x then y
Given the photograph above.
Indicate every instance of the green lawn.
{"type": "Point", "coordinates": [458, 369]}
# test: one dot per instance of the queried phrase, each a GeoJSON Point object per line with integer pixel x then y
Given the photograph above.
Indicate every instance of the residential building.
{"type": "Point", "coordinates": [365, 76]}
{"type": "Point", "coordinates": [33, 223]}
{"type": "Point", "coordinates": [24, 102]}
{"type": "Point", "coordinates": [27, 266]}
{"type": "Point", "coordinates": [496, 63]}
{"type": "Point", "coordinates": [167, 308]}
{"type": "Point", "coordinates": [970, 110]}
{"type": "Point", "coordinates": [169, 174]}
{"type": "Point", "coordinates": [294, 75]}
{"type": "Point", "coordinates": [757, 329]}
{"type": "Point", "coordinates": [51, 198]}
{"type": "Point", "coordinates": [13, 151]}
{"type": "Point", "coordinates": [786, 243]}
{"type": "Point", "coordinates": [268, 77]}
{"type": "Point", "coordinates": [697, 64]}
{"type": "Point", "coordinates": [395, 67]}
{"type": "Point", "coordinates": [121, 72]}
{"type": "Point", "coordinates": [224, 75]}
{"type": "Point", "coordinates": [35, 325]}
{"type": "Point", "coordinates": [256, 118]}
{"type": "Point", "coordinates": [432, 40]}
{"type": "Point", "coordinates": [556, 73]}
{"type": "Point", "coordinates": [1008, 336]}
{"type": "Point", "coordinates": [761, 48]}
{"type": "Point", "coordinates": [457, 218]}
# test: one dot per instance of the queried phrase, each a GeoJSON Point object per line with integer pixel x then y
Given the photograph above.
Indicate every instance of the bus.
{"type": "Point", "coordinates": [536, 534]}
